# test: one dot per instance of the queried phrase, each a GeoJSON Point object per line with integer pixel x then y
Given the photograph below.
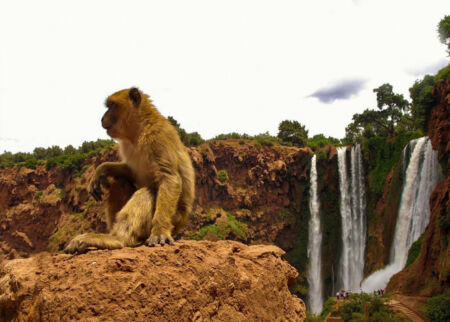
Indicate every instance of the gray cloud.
{"type": "Point", "coordinates": [343, 89]}
{"type": "Point", "coordinates": [428, 69]}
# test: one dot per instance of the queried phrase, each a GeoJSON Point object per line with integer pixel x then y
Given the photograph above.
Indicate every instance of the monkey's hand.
{"type": "Point", "coordinates": [98, 180]}
{"type": "Point", "coordinates": [160, 239]}
{"type": "Point", "coordinates": [76, 245]}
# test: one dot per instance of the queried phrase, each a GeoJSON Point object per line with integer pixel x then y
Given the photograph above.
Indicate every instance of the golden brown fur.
{"type": "Point", "coordinates": [149, 194]}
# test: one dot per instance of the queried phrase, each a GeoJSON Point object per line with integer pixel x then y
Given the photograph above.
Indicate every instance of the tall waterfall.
{"type": "Point", "coordinates": [353, 217]}
{"type": "Point", "coordinates": [422, 175]}
{"type": "Point", "coordinates": [314, 246]}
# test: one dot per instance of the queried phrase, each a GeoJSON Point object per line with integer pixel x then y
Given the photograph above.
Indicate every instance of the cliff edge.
{"type": "Point", "coordinates": [191, 281]}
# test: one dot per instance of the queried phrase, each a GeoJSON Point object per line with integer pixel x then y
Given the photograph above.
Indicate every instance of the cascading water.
{"type": "Point", "coordinates": [315, 296]}
{"type": "Point", "coordinates": [422, 175]}
{"type": "Point", "coordinates": [353, 217]}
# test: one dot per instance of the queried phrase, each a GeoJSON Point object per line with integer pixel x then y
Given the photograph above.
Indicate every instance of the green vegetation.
{"type": "Point", "coordinates": [69, 158]}
{"type": "Point", "coordinates": [381, 154]}
{"type": "Point", "coordinates": [392, 117]}
{"type": "Point", "coordinates": [222, 175]}
{"type": "Point", "coordinates": [438, 308]}
{"type": "Point", "coordinates": [38, 195]}
{"type": "Point", "coordinates": [264, 139]}
{"type": "Point", "coordinates": [442, 74]}
{"type": "Point", "coordinates": [188, 139]}
{"type": "Point", "coordinates": [320, 141]}
{"type": "Point", "coordinates": [292, 133]}
{"type": "Point", "coordinates": [222, 229]}
{"type": "Point", "coordinates": [362, 307]}
{"type": "Point", "coordinates": [444, 225]}
{"type": "Point", "coordinates": [327, 308]}
{"type": "Point", "coordinates": [414, 250]}
{"type": "Point", "coordinates": [422, 101]}
{"type": "Point", "coordinates": [444, 32]}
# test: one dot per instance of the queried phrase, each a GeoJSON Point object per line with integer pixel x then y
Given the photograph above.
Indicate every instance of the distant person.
{"type": "Point", "coordinates": [337, 296]}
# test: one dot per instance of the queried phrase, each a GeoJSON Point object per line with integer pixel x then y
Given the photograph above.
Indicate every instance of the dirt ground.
{"type": "Point", "coordinates": [191, 281]}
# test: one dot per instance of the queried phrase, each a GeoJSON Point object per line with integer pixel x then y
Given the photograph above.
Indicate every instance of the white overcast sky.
{"type": "Point", "coordinates": [216, 66]}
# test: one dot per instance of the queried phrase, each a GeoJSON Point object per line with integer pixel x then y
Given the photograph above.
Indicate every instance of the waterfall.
{"type": "Point", "coordinates": [353, 218]}
{"type": "Point", "coordinates": [315, 282]}
{"type": "Point", "coordinates": [422, 175]}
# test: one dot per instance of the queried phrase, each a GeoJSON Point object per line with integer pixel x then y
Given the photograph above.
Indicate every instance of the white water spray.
{"type": "Point", "coordinates": [422, 175]}
{"type": "Point", "coordinates": [315, 282]}
{"type": "Point", "coordinates": [353, 218]}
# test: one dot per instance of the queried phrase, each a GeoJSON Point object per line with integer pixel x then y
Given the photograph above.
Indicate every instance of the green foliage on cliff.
{"type": "Point", "coordinates": [298, 255]}
{"type": "Point", "coordinates": [414, 250]}
{"type": "Point", "coordinates": [381, 155]}
{"type": "Point", "coordinates": [222, 175]}
{"type": "Point", "coordinates": [222, 229]}
{"type": "Point", "coordinates": [331, 225]}
{"type": "Point", "coordinates": [69, 158]}
{"type": "Point", "coordinates": [444, 225]}
{"type": "Point", "coordinates": [422, 101]}
{"type": "Point", "coordinates": [443, 73]}
{"type": "Point", "coordinates": [438, 308]}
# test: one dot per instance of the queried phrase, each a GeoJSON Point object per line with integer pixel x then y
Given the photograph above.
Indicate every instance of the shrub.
{"type": "Point", "coordinates": [414, 250]}
{"type": "Point", "coordinates": [438, 308]}
{"type": "Point", "coordinates": [222, 175]}
{"type": "Point", "coordinates": [265, 139]}
{"type": "Point", "coordinates": [38, 195]}
{"type": "Point", "coordinates": [223, 229]}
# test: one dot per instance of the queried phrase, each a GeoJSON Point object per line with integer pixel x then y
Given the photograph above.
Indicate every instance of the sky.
{"type": "Point", "coordinates": [215, 66]}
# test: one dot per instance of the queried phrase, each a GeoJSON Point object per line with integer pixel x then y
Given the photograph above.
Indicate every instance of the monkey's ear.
{"type": "Point", "coordinates": [135, 96]}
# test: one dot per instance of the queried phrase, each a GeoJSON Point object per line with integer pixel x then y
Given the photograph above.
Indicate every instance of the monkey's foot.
{"type": "Point", "coordinates": [76, 245]}
{"type": "Point", "coordinates": [159, 240]}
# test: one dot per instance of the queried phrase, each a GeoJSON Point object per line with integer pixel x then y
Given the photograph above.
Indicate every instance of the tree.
{"type": "Point", "coordinates": [391, 106]}
{"type": "Point", "coordinates": [188, 139]}
{"type": "Point", "coordinates": [444, 32]}
{"type": "Point", "coordinates": [70, 150]}
{"type": "Point", "coordinates": [391, 118]}
{"type": "Point", "coordinates": [422, 101]}
{"type": "Point", "coordinates": [293, 132]}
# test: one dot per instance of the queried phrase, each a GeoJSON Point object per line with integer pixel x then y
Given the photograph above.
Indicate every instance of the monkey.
{"type": "Point", "coordinates": [150, 193]}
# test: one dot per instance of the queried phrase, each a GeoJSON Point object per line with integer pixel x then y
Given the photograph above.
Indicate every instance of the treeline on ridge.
{"type": "Point", "coordinates": [69, 158]}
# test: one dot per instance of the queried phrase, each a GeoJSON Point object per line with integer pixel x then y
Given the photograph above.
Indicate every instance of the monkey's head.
{"type": "Point", "coordinates": [122, 116]}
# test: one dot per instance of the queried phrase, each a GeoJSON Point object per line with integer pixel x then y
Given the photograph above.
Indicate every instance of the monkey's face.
{"type": "Point", "coordinates": [122, 113]}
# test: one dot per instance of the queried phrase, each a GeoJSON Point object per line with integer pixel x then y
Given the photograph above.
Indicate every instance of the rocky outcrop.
{"type": "Point", "coordinates": [439, 122]}
{"type": "Point", "coordinates": [191, 281]}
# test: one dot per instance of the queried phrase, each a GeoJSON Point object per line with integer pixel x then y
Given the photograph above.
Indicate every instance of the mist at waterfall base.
{"type": "Point", "coordinates": [422, 175]}
{"type": "Point", "coordinates": [315, 296]}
